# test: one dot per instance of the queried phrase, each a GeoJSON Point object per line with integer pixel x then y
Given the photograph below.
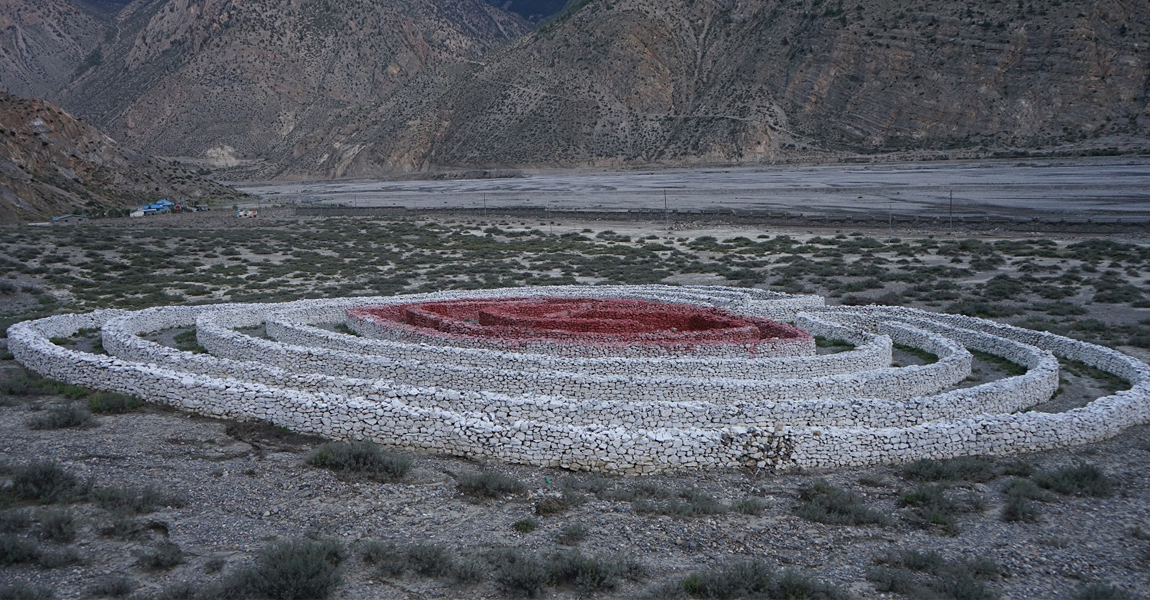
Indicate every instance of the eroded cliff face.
{"type": "Point", "coordinates": [43, 43]}
{"type": "Point", "coordinates": [51, 164]}
{"type": "Point", "coordinates": [636, 81]}
{"type": "Point", "coordinates": [338, 88]}
{"type": "Point", "coordinates": [228, 81]}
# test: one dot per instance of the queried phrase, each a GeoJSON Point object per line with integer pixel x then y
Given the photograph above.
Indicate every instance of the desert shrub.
{"type": "Point", "coordinates": [20, 591]}
{"type": "Point", "coordinates": [754, 578]}
{"type": "Point", "coordinates": [51, 386]}
{"type": "Point", "coordinates": [388, 558]}
{"type": "Point", "coordinates": [1082, 479]}
{"type": "Point", "coordinates": [15, 520]}
{"type": "Point", "coordinates": [469, 570]}
{"type": "Point", "coordinates": [215, 564]}
{"type": "Point", "coordinates": [62, 417]}
{"type": "Point", "coordinates": [825, 503]}
{"type": "Point", "coordinates": [1020, 496]}
{"type": "Point", "coordinates": [1018, 509]}
{"type": "Point", "coordinates": [750, 505]}
{"type": "Point", "coordinates": [518, 573]}
{"type": "Point", "coordinates": [138, 501]}
{"type": "Point", "coordinates": [361, 458]}
{"type": "Point", "coordinates": [525, 525]}
{"type": "Point", "coordinates": [980, 308]}
{"type": "Point", "coordinates": [57, 526]}
{"type": "Point", "coordinates": [44, 482]}
{"type": "Point", "coordinates": [589, 573]}
{"type": "Point", "coordinates": [572, 533]}
{"type": "Point", "coordinates": [489, 484]}
{"type": "Point", "coordinates": [930, 575]}
{"type": "Point", "coordinates": [113, 403]}
{"type": "Point", "coordinates": [161, 557]}
{"type": "Point", "coordinates": [429, 560]}
{"type": "Point", "coordinates": [14, 550]}
{"type": "Point", "coordinates": [933, 505]}
{"type": "Point", "coordinates": [963, 468]}
{"type": "Point", "coordinates": [55, 559]}
{"type": "Point", "coordinates": [20, 385]}
{"type": "Point", "coordinates": [686, 503]}
{"type": "Point", "coordinates": [287, 570]}
{"type": "Point", "coordinates": [112, 586]}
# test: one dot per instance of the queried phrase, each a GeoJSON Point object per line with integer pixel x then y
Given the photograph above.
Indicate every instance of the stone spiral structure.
{"type": "Point", "coordinates": [775, 405]}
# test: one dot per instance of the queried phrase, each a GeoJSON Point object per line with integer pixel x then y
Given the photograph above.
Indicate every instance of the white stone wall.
{"type": "Point", "coordinates": [340, 390]}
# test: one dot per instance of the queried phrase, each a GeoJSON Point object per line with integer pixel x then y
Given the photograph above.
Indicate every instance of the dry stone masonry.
{"type": "Point", "coordinates": [650, 402]}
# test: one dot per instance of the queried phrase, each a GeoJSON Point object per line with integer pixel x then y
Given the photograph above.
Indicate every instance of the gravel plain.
{"type": "Point", "coordinates": [245, 486]}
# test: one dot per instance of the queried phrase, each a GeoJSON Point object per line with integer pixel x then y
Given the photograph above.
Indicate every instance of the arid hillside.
{"type": "Point", "coordinates": [348, 88]}
{"type": "Point", "coordinates": [619, 82]}
{"type": "Point", "coordinates": [51, 164]}
{"type": "Point", "coordinates": [44, 42]}
{"type": "Point", "coordinates": [227, 81]}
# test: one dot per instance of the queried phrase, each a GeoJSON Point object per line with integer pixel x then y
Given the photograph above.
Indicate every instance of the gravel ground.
{"type": "Point", "coordinates": [244, 488]}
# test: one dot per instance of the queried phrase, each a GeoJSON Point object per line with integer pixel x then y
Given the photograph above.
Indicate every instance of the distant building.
{"type": "Point", "coordinates": [68, 219]}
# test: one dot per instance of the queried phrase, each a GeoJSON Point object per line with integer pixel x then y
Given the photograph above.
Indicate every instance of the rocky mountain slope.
{"type": "Point", "coordinates": [51, 164]}
{"type": "Point", "coordinates": [337, 88]}
{"type": "Point", "coordinates": [42, 43]}
{"type": "Point", "coordinates": [620, 82]}
{"type": "Point", "coordinates": [229, 80]}
{"type": "Point", "coordinates": [532, 10]}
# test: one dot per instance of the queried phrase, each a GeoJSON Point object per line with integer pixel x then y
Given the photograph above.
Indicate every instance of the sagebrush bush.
{"type": "Point", "coordinates": [296, 569]}
{"type": "Point", "coordinates": [940, 578]}
{"type": "Point", "coordinates": [430, 560]}
{"type": "Point", "coordinates": [57, 526]}
{"type": "Point", "coordinates": [44, 482]}
{"type": "Point", "coordinates": [825, 503]}
{"type": "Point", "coordinates": [526, 525]}
{"type": "Point", "coordinates": [14, 550]}
{"type": "Point", "coordinates": [15, 520]}
{"type": "Point", "coordinates": [750, 505]}
{"type": "Point", "coordinates": [588, 573]}
{"type": "Point", "coordinates": [517, 573]}
{"type": "Point", "coordinates": [755, 579]}
{"type": "Point", "coordinates": [934, 505]}
{"type": "Point", "coordinates": [1082, 479]}
{"type": "Point", "coordinates": [361, 458]}
{"type": "Point", "coordinates": [572, 533]}
{"type": "Point", "coordinates": [113, 403]}
{"type": "Point", "coordinates": [161, 557]}
{"type": "Point", "coordinates": [135, 501]}
{"type": "Point", "coordinates": [62, 417]}
{"type": "Point", "coordinates": [489, 484]}
{"type": "Point", "coordinates": [55, 559]}
{"type": "Point", "coordinates": [112, 586]}
{"type": "Point", "coordinates": [963, 468]}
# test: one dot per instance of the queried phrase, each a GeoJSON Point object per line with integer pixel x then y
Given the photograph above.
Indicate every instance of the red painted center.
{"type": "Point", "coordinates": [584, 321]}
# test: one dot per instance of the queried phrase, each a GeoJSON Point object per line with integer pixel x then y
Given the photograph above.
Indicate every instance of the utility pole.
{"type": "Point", "coordinates": [484, 205]}
{"type": "Point", "coordinates": [951, 212]}
{"type": "Point", "coordinates": [666, 213]}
